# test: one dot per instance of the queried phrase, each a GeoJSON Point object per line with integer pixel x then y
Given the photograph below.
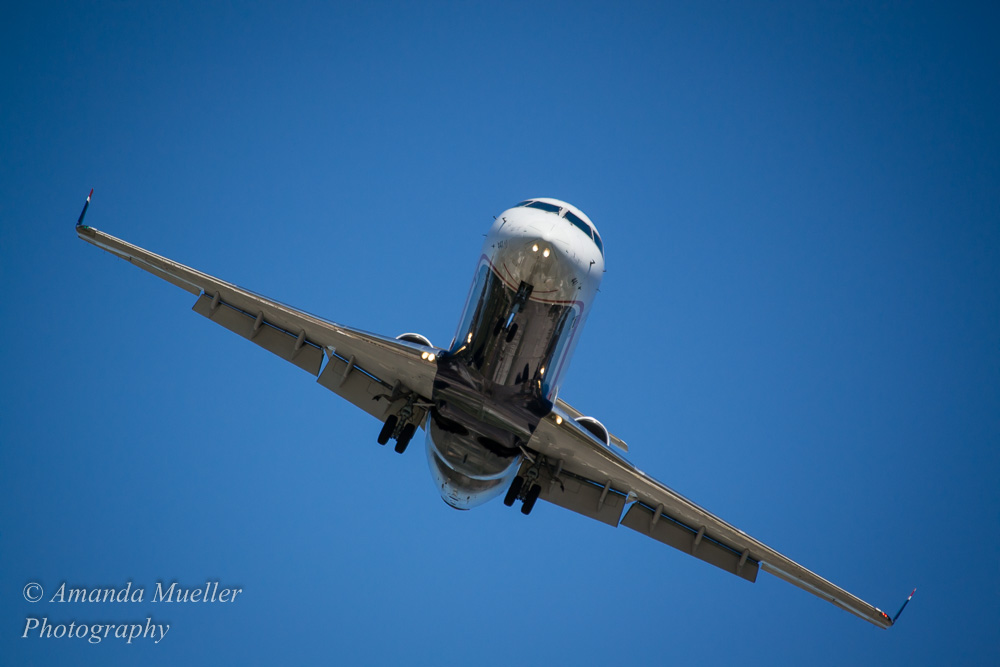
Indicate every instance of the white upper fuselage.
{"type": "Point", "coordinates": [546, 250]}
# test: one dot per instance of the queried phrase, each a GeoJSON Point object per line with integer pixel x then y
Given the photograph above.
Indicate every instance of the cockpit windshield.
{"type": "Point", "coordinates": [579, 223]}
{"type": "Point", "coordinates": [572, 217]}
{"type": "Point", "coordinates": [551, 208]}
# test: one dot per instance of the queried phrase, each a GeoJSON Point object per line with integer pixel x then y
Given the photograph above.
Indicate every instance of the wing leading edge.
{"type": "Point", "coordinates": [583, 475]}
{"type": "Point", "coordinates": [375, 373]}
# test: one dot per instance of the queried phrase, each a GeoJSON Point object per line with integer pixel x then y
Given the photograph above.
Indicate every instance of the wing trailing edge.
{"type": "Point", "coordinates": [584, 475]}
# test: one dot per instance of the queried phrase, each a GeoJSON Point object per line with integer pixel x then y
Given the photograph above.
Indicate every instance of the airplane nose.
{"type": "Point", "coordinates": [541, 247]}
{"type": "Point", "coordinates": [545, 242]}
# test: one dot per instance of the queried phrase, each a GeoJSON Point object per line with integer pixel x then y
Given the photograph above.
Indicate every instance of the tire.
{"type": "Point", "coordinates": [404, 438]}
{"type": "Point", "coordinates": [387, 428]}
{"type": "Point", "coordinates": [529, 500]}
{"type": "Point", "coordinates": [515, 488]}
{"type": "Point", "coordinates": [511, 332]}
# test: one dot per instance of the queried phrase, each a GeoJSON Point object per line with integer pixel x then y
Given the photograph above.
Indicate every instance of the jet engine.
{"type": "Point", "coordinates": [596, 428]}
{"type": "Point", "coordinates": [415, 338]}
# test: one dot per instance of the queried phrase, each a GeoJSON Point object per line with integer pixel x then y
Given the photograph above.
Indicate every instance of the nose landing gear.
{"type": "Point", "coordinates": [507, 323]}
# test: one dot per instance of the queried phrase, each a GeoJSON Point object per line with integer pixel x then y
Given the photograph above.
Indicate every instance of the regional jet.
{"type": "Point", "coordinates": [489, 401]}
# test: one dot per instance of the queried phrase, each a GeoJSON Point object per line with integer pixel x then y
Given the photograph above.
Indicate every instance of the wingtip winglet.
{"type": "Point", "coordinates": [79, 221]}
{"type": "Point", "coordinates": [905, 602]}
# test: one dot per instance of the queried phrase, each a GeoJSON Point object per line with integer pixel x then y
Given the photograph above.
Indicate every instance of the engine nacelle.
{"type": "Point", "coordinates": [596, 428]}
{"type": "Point", "coordinates": [415, 338]}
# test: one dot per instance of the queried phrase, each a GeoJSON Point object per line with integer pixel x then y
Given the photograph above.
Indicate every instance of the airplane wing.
{"type": "Point", "coordinates": [582, 474]}
{"type": "Point", "coordinates": [378, 374]}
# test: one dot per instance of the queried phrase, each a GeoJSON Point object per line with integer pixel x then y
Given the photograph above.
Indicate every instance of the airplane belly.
{"type": "Point", "coordinates": [465, 471]}
{"type": "Point", "coordinates": [493, 387]}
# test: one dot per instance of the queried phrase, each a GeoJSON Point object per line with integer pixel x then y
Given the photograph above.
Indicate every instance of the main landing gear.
{"type": "Point", "coordinates": [530, 488]}
{"type": "Point", "coordinates": [403, 435]}
{"type": "Point", "coordinates": [401, 425]}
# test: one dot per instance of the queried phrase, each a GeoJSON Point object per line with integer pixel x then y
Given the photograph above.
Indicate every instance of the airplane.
{"type": "Point", "coordinates": [489, 401]}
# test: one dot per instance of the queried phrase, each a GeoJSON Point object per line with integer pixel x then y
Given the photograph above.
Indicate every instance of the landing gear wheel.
{"type": "Point", "coordinates": [498, 327]}
{"type": "Point", "coordinates": [387, 428]}
{"type": "Point", "coordinates": [511, 332]}
{"type": "Point", "coordinates": [515, 488]}
{"type": "Point", "coordinates": [404, 438]}
{"type": "Point", "coordinates": [529, 500]}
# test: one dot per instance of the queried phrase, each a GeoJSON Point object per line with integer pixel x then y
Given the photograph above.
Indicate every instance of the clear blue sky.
{"type": "Point", "coordinates": [799, 327]}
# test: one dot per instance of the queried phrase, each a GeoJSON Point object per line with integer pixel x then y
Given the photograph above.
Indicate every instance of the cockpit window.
{"type": "Point", "coordinates": [573, 218]}
{"type": "Point", "coordinates": [579, 223]}
{"type": "Point", "coordinates": [551, 208]}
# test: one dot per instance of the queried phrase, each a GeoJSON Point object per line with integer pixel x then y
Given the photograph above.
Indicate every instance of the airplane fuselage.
{"type": "Point", "coordinates": [537, 275]}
